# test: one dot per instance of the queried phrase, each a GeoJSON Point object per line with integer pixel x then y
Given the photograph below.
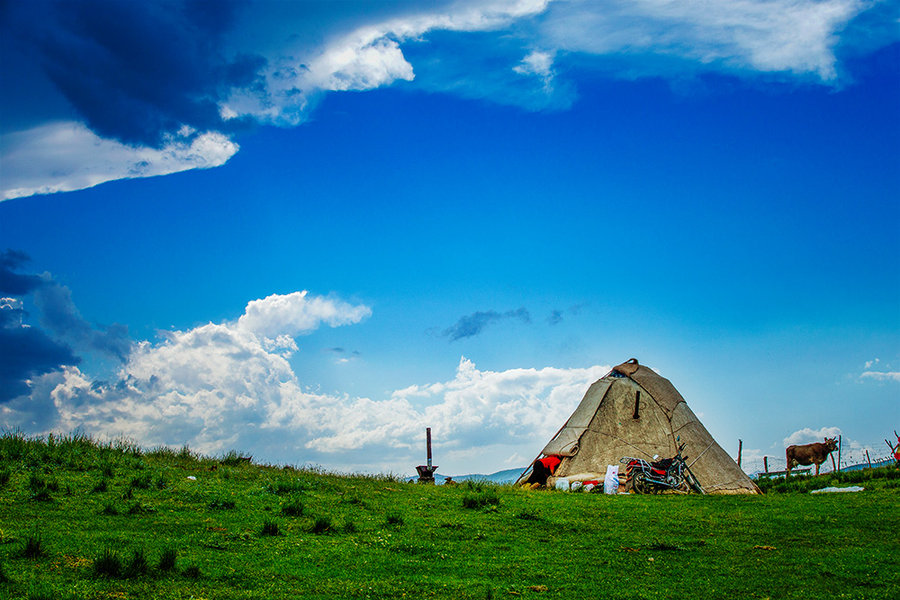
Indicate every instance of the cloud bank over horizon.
{"type": "Point", "coordinates": [143, 89]}
{"type": "Point", "coordinates": [230, 385]}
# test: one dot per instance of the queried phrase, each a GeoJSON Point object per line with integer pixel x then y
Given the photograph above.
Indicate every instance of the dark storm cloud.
{"type": "Point", "coordinates": [13, 283]}
{"type": "Point", "coordinates": [557, 315]}
{"type": "Point", "coordinates": [342, 353]}
{"type": "Point", "coordinates": [471, 325]}
{"type": "Point", "coordinates": [60, 316]}
{"type": "Point", "coordinates": [135, 71]}
{"type": "Point", "coordinates": [25, 353]}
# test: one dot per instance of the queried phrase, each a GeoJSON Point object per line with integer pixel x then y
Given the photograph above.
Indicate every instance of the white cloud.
{"type": "Point", "coordinates": [796, 36]}
{"type": "Point", "coordinates": [298, 313]}
{"type": "Point", "coordinates": [227, 386]}
{"type": "Point", "coordinates": [365, 50]}
{"type": "Point", "coordinates": [359, 66]}
{"type": "Point", "coordinates": [364, 58]}
{"type": "Point", "coordinates": [13, 309]}
{"type": "Point", "coordinates": [807, 435]}
{"type": "Point", "coordinates": [213, 387]}
{"type": "Point", "coordinates": [881, 375]}
{"type": "Point", "coordinates": [788, 36]}
{"type": "Point", "coordinates": [536, 63]}
{"type": "Point", "coordinates": [66, 156]}
{"type": "Point", "coordinates": [474, 408]}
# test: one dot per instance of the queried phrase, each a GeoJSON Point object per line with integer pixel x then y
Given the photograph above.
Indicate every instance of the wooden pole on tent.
{"type": "Point", "coordinates": [528, 468]}
{"type": "Point", "coordinates": [740, 447]}
{"type": "Point", "coordinates": [766, 463]}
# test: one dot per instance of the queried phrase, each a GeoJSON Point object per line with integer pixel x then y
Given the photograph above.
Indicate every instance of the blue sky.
{"type": "Point", "coordinates": [487, 204]}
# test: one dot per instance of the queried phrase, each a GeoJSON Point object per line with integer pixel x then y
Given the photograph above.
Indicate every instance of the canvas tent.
{"type": "Point", "coordinates": [633, 411]}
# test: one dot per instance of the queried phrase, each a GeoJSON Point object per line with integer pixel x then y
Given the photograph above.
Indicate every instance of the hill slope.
{"type": "Point", "coordinates": [182, 525]}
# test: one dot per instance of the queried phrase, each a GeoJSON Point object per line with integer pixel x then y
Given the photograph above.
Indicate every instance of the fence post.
{"type": "Point", "coordinates": [868, 460]}
{"type": "Point", "coordinates": [839, 453]}
{"type": "Point", "coordinates": [740, 447]}
{"type": "Point", "coordinates": [766, 463]}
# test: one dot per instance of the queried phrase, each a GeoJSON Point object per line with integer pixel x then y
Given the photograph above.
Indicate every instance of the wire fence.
{"type": "Point", "coordinates": [852, 455]}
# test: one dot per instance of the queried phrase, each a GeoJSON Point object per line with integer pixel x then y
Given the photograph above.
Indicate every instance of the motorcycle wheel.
{"type": "Point", "coordinates": [640, 484]}
{"type": "Point", "coordinates": [693, 484]}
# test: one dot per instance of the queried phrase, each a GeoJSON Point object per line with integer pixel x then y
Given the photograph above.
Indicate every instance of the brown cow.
{"type": "Point", "coordinates": [810, 454]}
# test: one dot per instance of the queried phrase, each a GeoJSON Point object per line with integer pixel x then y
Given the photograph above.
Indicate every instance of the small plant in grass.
{"type": "Point", "coordinates": [528, 515]}
{"type": "Point", "coordinates": [40, 488]}
{"type": "Point", "coordinates": [42, 495]}
{"type": "Point", "coordinates": [37, 483]}
{"type": "Point", "coordinates": [186, 454]}
{"type": "Point", "coordinates": [137, 564]}
{"type": "Point", "coordinates": [101, 486]}
{"type": "Point", "coordinates": [484, 499]}
{"type": "Point", "coordinates": [349, 527]}
{"type": "Point", "coordinates": [394, 518]}
{"type": "Point", "coordinates": [292, 509]}
{"type": "Point", "coordinates": [353, 498]}
{"type": "Point", "coordinates": [107, 470]}
{"type": "Point", "coordinates": [161, 483]}
{"type": "Point", "coordinates": [167, 560]}
{"type": "Point", "coordinates": [221, 504]}
{"type": "Point", "coordinates": [108, 564]}
{"type": "Point", "coordinates": [322, 525]}
{"type": "Point", "coordinates": [191, 572]}
{"type": "Point", "coordinates": [474, 485]}
{"type": "Point", "coordinates": [109, 509]}
{"type": "Point", "coordinates": [286, 486]}
{"type": "Point", "coordinates": [139, 508]}
{"type": "Point", "coordinates": [5, 474]}
{"type": "Point", "coordinates": [141, 481]}
{"type": "Point", "coordinates": [270, 528]}
{"type": "Point", "coordinates": [663, 547]}
{"type": "Point", "coordinates": [4, 578]}
{"type": "Point", "coordinates": [33, 546]}
{"type": "Point", "coordinates": [234, 459]}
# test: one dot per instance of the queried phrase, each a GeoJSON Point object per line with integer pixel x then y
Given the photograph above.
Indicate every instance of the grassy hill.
{"type": "Point", "coordinates": [79, 519]}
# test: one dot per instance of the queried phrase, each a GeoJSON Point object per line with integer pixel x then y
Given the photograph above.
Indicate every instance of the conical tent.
{"type": "Point", "coordinates": [633, 411]}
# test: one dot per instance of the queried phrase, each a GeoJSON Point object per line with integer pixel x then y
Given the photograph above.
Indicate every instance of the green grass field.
{"type": "Point", "coordinates": [79, 519]}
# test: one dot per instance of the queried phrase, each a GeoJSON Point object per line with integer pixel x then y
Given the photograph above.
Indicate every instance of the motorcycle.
{"type": "Point", "coordinates": [652, 477]}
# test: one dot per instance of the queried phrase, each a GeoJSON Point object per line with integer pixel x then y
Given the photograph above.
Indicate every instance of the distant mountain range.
{"type": "Point", "coordinates": [500, 477]}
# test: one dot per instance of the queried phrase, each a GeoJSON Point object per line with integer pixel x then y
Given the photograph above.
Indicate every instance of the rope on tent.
{"type": "Point", "coordinates": [702, 453]}
{"type": "Point", "coordinates": [626, 442]}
